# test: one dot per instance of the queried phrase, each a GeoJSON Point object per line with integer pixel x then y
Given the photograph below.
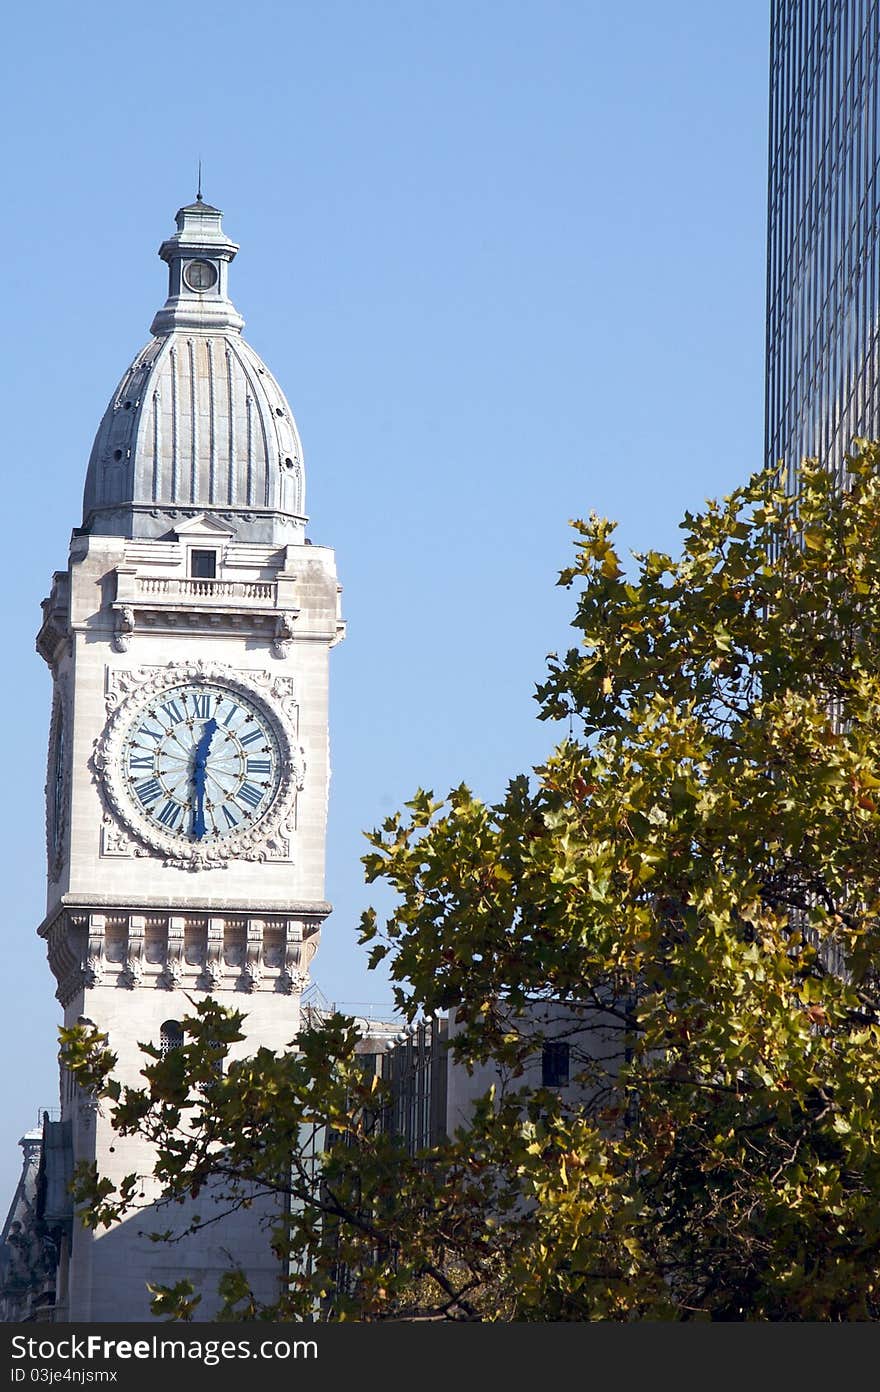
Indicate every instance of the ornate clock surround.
{"type": "Point", "coordinates": [128, 691]}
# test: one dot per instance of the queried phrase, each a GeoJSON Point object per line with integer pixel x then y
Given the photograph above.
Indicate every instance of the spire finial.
{"type": "Point", "coordinates": [199, 191]}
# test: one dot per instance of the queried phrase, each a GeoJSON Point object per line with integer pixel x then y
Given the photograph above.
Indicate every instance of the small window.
{"type": "Point", "coordinates": [203, 565]}
{"type": "Point", "coordinates": [170, 1037]}
{"type": "Point", "coordinates": [554, 1063]}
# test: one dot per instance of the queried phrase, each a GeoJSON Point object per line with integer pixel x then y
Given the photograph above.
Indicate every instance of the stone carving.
{"type": "Point", "coordinates": [132, 973]}
{"type": "Point", "coordinates": [123, 627]}
{"type": "Point", "coordinates": [55, 633]}
{"type": "Point", "coordinates": [292, 981]}
{"type": "Point", "coordinates": [252, 970]}
{"type": "Point", "coordinates": [172, 972]}
{"type": "Point", "coordinates": [129, 690]}
{"type": "Point", "coordinates": [212, 972]}
{"type": "Point", "coordinates": [93, 971]}
{"type": "Point", "coordinates": [115, 841]}
{"type": "Point", "coordinates": [32, 1259]}
{"type": "Point", "coordinates": [299, 949]}
{"type": "Point", "coordinates": [285, 627]}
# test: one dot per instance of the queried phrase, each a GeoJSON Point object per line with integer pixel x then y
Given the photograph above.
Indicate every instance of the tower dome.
{"type": "Point", "coordinates": [198, 424]}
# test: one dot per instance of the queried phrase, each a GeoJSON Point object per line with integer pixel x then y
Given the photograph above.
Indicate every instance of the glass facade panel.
{"type": "Point", "coordinates": [823, 237]}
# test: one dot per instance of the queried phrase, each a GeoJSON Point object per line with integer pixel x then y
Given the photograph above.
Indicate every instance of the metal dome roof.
{"type": "Point", "coordinates": [198, 424]}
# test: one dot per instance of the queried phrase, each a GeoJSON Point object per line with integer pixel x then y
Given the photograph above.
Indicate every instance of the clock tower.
{"type": "Point", "coordinates": [188, 641]}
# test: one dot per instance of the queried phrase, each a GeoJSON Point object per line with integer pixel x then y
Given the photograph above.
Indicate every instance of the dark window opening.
{"type": "Point", "coordinates": [203, 565]}
{"type": "Point", "coordinates": [170, 1037]}
{"type": "Point", "coordinates": [554, 1063]}
{"type": "Point", "coordinates": [217, 1063]}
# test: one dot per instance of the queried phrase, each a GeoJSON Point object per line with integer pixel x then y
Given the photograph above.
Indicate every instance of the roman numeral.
{"type": "Point", "coordinates": [232, 713]}
{"type": "Point", "coordinates": [170, 814]}
{"type": "Point", "coordinates": [202, 705]}
{"type": "Point", "coordinates": [153, 734]}
{"type": "Point", "coordinates": [149, 791]}
{"type": "Point", "coordinates": [258, 765]}
{"type": "Point", "coordinates": [254, 735]}
{"type": "Point", "coordinates": [227, 813]}
{"type": "Point", "coordinates": [174, 713]}
{"type": "Point", "coordinates": [249, 794]}
{"type": "Point", "coordinates": [140, 761]}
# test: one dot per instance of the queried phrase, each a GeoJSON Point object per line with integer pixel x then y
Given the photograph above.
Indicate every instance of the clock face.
{"type": "Point", "coordinates": [200, 275]}
{"type": "Point", "coordinates": [201, 763]}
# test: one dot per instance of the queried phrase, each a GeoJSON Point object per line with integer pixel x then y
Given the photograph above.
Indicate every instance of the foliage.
{"type": "Point", "coordinates": [690, 887]}
{"type": "Point", "coordinates": [373, 1232]}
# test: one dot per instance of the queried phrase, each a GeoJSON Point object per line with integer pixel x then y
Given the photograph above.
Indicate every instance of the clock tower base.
{"type": "Point", "coordinates": [134, 972]}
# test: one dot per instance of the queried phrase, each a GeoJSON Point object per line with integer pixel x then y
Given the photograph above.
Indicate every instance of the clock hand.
{"type": "Point", "coordinates": [198, 778]}
{"type": "Point", "coordinates": [204, 743]}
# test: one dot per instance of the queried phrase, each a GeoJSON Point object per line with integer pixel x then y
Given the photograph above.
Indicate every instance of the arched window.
{"type": "Point", "coordinates": [170, 1036]}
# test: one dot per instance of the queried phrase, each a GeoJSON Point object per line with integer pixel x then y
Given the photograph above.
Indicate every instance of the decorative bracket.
{"type": "Point", "coordinates": [133, 969]}
{"type": "Point", "coordinates": [294, 977]}
{"type": "Point", "coordinates": [93, 971]}
{"type": "Point", "coordinates": [252, 971]}
{"type": "Point", "coordinates": [175, 945]}
{"type": "Point", "coordinates": [123, 627]}
{"type": "Point", "coordinates": [212, 971]}
{"type": "Point", "coordinates": [285, 627]}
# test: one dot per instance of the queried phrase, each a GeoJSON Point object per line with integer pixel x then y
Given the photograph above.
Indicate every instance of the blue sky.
{"type": "Point", "coordinates": [505, 257]}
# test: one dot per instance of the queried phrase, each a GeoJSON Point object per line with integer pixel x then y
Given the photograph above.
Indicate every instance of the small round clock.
{"type": "Point", "coordinates": [200, 275]}
{"type": "Point", "coordinates": [201, 762]}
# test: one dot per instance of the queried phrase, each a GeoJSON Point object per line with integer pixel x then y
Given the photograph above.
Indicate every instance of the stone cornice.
{"type": "Point", "coordinates": [198, 950]}
{"type": "Point", "coordinates": [55, 629]}
{"type": "Point", "coordinates": [317, 909]}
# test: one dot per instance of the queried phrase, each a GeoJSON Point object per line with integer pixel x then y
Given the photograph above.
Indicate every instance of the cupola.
{"type": "Point", "coordinates": [198, 424]}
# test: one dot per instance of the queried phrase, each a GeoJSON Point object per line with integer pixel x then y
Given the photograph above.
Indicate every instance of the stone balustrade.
{"type": "Point", "coordinates": [172, 589]}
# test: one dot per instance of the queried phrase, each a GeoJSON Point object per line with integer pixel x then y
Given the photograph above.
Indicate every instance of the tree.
{"type": "Point", "coordinates": [693, 878]}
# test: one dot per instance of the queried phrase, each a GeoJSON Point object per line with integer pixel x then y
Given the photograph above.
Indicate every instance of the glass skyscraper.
{"type": "Point", "coordinates": [823, 235]}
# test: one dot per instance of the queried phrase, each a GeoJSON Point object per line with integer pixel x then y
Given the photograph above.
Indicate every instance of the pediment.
{"type": "Point", "coordinates": [204, 525]}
